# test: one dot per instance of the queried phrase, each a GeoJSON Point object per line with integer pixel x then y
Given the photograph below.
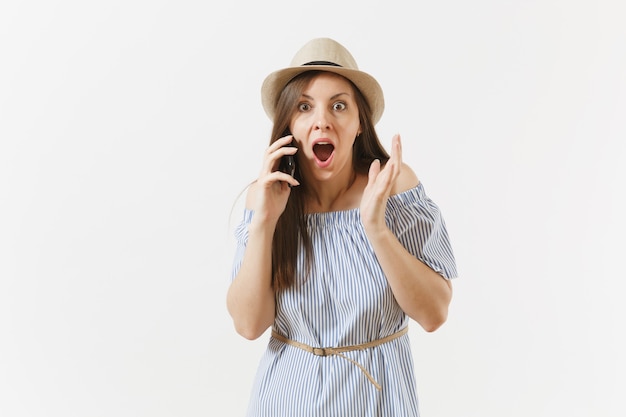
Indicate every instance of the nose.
{"type": "Point", "coordinates": [322, 120]}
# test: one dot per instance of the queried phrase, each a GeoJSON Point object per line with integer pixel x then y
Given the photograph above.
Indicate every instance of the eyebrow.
{"type": "Point", "coordinates": [332, 97]}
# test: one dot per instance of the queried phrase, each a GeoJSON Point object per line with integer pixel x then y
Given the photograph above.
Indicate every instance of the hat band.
{"type": "Point", "coordinates": [322, 63]}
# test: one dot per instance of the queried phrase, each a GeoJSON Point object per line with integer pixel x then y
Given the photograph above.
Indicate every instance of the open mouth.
{"type": "Point", "coordinates": [323, 151]}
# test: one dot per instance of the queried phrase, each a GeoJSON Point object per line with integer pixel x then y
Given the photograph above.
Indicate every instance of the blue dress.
{"type": "Point", "coordinates": [346, 300]}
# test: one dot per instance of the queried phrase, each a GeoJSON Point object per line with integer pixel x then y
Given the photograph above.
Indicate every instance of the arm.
{"type": "Point", "coordinates": [250, 298]}
{"type": "Point", "coordinates": [420, 291]}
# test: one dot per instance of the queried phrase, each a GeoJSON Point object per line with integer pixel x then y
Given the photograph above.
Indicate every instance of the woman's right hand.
{"type": "Point", "coordinates": [251, 299]}
{"type": "Point", "coordinates": [268, 196]}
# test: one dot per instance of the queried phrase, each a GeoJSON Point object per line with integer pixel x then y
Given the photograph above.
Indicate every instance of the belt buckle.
{"type": "Point", "coordinates": [319, 351]}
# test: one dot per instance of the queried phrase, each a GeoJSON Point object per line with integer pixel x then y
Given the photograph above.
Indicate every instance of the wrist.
{"type": "Point", "coordinates": [262, 224]}
{"type": "Point", "coordinates": [378, 233]}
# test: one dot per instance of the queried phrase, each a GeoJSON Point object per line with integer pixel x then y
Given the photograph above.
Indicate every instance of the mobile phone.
{"type": "Point", "coordinates": [288, 162]}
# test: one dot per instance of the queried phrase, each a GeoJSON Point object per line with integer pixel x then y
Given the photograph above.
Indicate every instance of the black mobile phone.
{"type": "Point", "coordinates": [288, 162]}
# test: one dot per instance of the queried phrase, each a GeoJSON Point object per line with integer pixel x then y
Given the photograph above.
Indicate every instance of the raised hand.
{"type": "Point", "coordinates": [380, 182]}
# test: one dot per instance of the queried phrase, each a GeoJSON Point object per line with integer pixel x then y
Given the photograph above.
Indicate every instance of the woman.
{"type": "Point", "coordinates": [337, 257]}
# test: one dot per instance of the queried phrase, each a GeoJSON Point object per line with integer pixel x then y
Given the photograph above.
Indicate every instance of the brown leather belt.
{"type": "Point", "coordinates": [338, 351]}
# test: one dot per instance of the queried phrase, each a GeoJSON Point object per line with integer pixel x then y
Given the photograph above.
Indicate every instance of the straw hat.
{"type": "Point", "coordinates": [327, 55]}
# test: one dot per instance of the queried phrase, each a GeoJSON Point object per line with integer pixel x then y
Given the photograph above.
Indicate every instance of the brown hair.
{"type": "Point", "coordinates": [291, 228]}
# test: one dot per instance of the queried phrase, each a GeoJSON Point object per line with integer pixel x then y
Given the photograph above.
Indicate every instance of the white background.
{"type": "Point", "coordinates": [129, 128]}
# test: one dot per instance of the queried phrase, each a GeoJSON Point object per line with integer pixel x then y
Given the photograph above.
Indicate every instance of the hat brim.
{"type": "Point", "coordinates": [367, 85]}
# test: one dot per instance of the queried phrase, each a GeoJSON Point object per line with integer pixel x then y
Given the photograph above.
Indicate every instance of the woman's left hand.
{"type": "Point", "coordinates": [380, 183]}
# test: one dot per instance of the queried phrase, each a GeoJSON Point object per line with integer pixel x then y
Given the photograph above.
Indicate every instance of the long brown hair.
{"type": "Point", "coordinates": [291, 228]}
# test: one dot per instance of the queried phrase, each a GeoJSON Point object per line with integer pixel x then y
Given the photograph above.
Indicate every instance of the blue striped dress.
{"type": "Point", "coordinates": [346, 300]}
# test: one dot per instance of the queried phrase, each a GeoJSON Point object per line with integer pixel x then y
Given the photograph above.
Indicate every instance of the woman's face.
{"type": "Point", "coordinates": [325, 126]}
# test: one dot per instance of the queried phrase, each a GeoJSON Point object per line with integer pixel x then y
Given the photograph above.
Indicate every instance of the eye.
{"type": "Point", "coordinates": [339, 106]}
{"type": "Point", "coordinates": [303, 107]}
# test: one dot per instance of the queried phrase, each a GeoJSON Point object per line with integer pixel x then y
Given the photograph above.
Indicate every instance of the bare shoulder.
{"type": "Point", "coordinates": [406, 180]}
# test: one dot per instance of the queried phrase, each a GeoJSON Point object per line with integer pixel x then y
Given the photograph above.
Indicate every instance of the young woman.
{"type": "Point", "coordinates": [339, 256]}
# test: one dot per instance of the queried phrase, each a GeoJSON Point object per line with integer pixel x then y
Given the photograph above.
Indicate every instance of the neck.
{"type": "Point", "coordinates": [335, 194]}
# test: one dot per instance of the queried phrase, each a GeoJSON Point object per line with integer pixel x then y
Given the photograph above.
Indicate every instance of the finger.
{"type": "Point", "coordinates": [273, 155]}
{"type": "Point", "coordinates": [279, 143]}
{"type": "Point", "coordinates": [373, 172]}
{"type": "Point", "coordinates": [279, 154]}
{"type": "Point", "coordinates": [269, 156]}
{"type": "Point", "coordinates": [279, 176]}
{"type": "Point", "coordinates": [386, 176]}
{"type": "Point", "coordinates": [395, 160]}
{"type": "Point", "coordinates": [397, 149]}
